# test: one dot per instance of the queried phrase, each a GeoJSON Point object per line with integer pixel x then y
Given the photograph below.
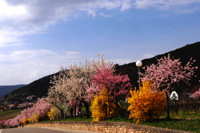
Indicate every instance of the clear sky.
{"type": "Point", "coordinates": [37, 37]}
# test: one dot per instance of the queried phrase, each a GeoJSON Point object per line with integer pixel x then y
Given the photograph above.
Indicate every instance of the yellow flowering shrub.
{"type": "Point", "coordinates": [30, 120]}
{"type": "Point", "coordinates": [24, 121]}
{"type": "Point", "coordinates": [101, 108]}
{"type": "Point", "coordinates": [146, 104]}
{"type": "Point", "coordinates": [35, 117]}
{"type": "Point", "coordinates": [53, 114]}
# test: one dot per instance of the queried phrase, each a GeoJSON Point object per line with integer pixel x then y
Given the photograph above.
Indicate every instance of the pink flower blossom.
{"type": "Point", "coordinates": [167, 72]}
{"type": "Point", "coordinates": [41, 108]}
{"type": "Point", "coordinates": [196, 95]}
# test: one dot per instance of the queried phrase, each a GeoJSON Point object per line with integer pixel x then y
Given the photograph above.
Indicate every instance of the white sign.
{"type": "Point", "coordinates": [174, 96]}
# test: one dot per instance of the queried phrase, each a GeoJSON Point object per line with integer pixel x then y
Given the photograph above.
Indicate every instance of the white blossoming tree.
{"type": "Point", "coordinates": [71, 85]}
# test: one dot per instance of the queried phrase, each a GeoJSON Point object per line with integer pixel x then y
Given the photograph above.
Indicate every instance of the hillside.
{"type": "Point", "coordinates": [6, 89]}
{"type": "Point", "coordinates": [40, 87]}
{"type": "Point", "coordinates": [185, 54]}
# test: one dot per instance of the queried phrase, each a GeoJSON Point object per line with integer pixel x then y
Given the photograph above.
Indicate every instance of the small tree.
{"type": "Point", "coordinates": [167, 73]}
{"type": "Point", "coordinates": [101, 108]}
{"type": "Point", "coordinates": [118, 86]}
{"type": "Point", "coordinates": [146, 104]}
{"type": "Point", "coordinates": [55, 94]}
{"type": "Point", "coordinates": [70, 85]}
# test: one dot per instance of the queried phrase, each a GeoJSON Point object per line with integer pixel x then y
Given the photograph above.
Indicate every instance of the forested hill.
{"type": "Point", "coordinates": [40, 87]}
{"type": "Point", "coordinates": [184, 53]}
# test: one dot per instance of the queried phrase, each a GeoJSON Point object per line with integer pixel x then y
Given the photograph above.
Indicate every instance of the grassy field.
{"type": "Point", "coordinates": [190, 122]}
{"type": "Point", "coordinates": [180, 124]}
{"type": "Point", "coordinates": [191, 115]}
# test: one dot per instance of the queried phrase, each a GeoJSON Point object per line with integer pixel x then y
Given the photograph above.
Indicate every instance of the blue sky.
{"type": "Point", "coordinates": [37, 37]}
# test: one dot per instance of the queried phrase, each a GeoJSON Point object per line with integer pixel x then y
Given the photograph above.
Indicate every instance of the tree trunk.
{"type": "Point", "coordinates": [80, 111]}
{"type": "Point", "coordinates": [62, 114]}
{"type": "Point", "coordinates": [61, 111]}
{"type": "Point", "coordinates": [71, 111]}
{"type": "Point", "coordinates": [87, 109]}
{"type": "Point", "coordinates": [120, 110]}
{"type": "Point", "coordinates": [75, 111]}
{"type": "Point", "coordinates": [167, 106]}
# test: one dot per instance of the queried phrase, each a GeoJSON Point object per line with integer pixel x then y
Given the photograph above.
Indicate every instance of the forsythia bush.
{"type": "Point", "coordinates": [53, 114]}
{"type": "Point", "coordinates": [101, 108]}
{"type": "Point", "coordinates": [147, 103]}
{"type": "Point", "coordinates": [36, 118]}
{"type": "Point", "coordinates": [24, 121]}
{"type": "Point", "coordinates": [33, 118]}
{"type": "Point", "coordinates": [30, 120]}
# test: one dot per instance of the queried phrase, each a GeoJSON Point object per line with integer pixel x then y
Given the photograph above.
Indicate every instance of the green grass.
{"type": "Point", "coordinates": [179, 124]}
{"type": "Point", "coordinates": [78, 119]}
{"type": "Point", "coordinates": [4, 115]}
{"type": "Point", "coordinates": [71, 119]}
{"type": "Point", "coordinates": [191, 115]}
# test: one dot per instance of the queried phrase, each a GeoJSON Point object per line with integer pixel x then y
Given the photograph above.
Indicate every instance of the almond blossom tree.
{"type": "Point", "coordinates": [80, 80]}
{"type": "Point", "coordinates": [167, 73]}
{"type": "Point", "coordinates": [77, 83]}
{"type": "Point", "coordinates": [118, 86]}
{"type": "Point", "coordinates": [55, 92]}
{"type": "Point", "coordinates": [72, 83]}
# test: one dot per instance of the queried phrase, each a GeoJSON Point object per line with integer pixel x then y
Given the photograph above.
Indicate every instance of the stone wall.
{"type": "Point", "coordinates": [105, 127]}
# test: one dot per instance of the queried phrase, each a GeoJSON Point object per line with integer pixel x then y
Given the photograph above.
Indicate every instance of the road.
{"type": "Point", "coordinates": [40, 130]}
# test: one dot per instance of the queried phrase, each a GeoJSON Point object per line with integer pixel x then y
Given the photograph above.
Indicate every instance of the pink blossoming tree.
{"type": "Point", "coordinates": [168, 72]}
{"type": "Point", "coordinates": [118, 86]}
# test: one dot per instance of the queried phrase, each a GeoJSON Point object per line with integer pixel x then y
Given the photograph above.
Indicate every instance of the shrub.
{"type": "Point", "coordinates": [146, 104]}
{"type": "Point", "coordinates": [25, 121]}
{"type": "Point", "coordinates": [101, 108]}
{"type": "Point", "coordinates": [35, 117]}
{"type": "Point", "coordinates": [53, 114]}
